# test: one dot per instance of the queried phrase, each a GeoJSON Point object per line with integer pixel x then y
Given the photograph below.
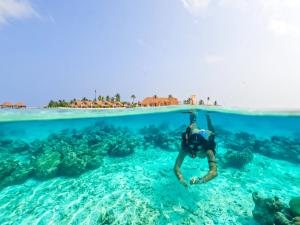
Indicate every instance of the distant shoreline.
{"type": "Point", "coordinates": [206, 107]}
{"type": "Point", "coordinates": [30, 114]}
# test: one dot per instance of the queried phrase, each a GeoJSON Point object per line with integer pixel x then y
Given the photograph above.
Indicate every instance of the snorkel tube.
{"type": "Point", "coordinates": [193, 116]}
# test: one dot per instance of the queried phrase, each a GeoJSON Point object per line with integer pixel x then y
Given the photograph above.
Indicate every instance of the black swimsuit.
{"type": "Point", "coordinates": [196, 142]}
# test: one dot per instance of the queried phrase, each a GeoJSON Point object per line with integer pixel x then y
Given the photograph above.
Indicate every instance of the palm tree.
{"type": "Point", "coordinates": [112, 99]}
{"type": "Point", "coordinates": [133, 97]}
{"type": "Point", "coordinates": [100, 98]}
{"type": "Point", "coordinates": [107, 98]}
{"type": "Point", "coordinates": [201, 102]}
{"type": "Point", "coordinates": [118, 97]}
{"type": "Point", "coordinates": [215, 103]}
{"type": "Point", "coordinates": [51, 104]}
{"type": "Point", "coordinates": [208, 98]}
{"type": "Point", "coordinates": [155, 96]}
{"type": "Point", "coordinates": [170, 96]}
{"type": "Point", "coordinates": [84, 99]}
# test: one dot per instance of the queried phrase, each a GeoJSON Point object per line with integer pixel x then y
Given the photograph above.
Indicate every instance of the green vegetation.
{"type": "Point", "coordinates": [118, 97]}
{"type": "Point", "coordinates": [133, 97]}
{"type": "Point", "coordinates": [100, 98]}
{"type": "Point", "coordinates": [103, 102]}
{"type": "Point", "coordinates": [201, 102]}
{"type": "Point", "coordinates": [59, 103]}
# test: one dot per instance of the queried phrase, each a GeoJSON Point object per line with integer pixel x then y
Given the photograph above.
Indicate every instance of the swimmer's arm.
{"type": "Point", "coordinates": [212, 173]}
{"type": "Point", "coordinates": [209, 124]}
{"type": "Point", "coordinates": [182, 154]}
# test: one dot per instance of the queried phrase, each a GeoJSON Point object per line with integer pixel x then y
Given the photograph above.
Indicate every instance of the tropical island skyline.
{"type": "Point", "coordinates": [116, 102]}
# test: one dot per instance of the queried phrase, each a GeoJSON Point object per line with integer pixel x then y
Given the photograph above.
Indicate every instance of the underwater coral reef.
{"type": "Point", "coordinates": [68, 153]}
{"type": "Point", "coordinates": [271, 211]}
{"type": "Point", "coordinates": [99, 150]}
{"type": "Point", "coordinates": [162, 136]}
{"type": "Point", "coordinates": [276, 147]}
{"type": "Point", "coordinates": [72, 152]}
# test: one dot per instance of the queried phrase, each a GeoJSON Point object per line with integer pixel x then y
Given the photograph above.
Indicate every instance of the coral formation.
{"type": "Point", "coordinates": [72, 152]}
{"type": "Point", "coordinates": [295, 206]}
{"type": "Point", "coordinates": [13, 146]}
{"type": "Point", "coordinates": [284, 148]}
{"type": "Point", "coordinates": [12, 172]}
{"type": "Point", "coordinates": [271, 211]}
{"type": "Point", "coordinates": [47, 164]}
{"type": "Point", "coordinates": [237, 159]}
{"type": "Point", "coordinates": [67, 153]}
{"type": "Point", "coordinates": [162, 137]}
{"type": "Point", "coordinates": [7, 167]}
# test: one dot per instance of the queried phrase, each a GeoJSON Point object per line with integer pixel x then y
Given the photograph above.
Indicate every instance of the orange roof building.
{"type": "Point", "coordinates": [153, 101]}
{"type": "Point", "coordinates": [20, 105]}
{"type": "Point", "coordinates": [7, 105]}
{"type": "Point", "coordinates": [76, 104]}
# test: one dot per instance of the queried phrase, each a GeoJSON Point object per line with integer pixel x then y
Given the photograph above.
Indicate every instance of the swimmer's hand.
{"type": "Point", "coordinates": [196, 180]}
{"type": "Point", "coordinates": [184, 183]}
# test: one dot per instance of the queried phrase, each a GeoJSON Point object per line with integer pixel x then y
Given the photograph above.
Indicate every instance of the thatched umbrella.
{"type": "Point", "coordinates": [7, 105]}
{"type": "Point", "coordinates": [20, 105]}
{"type": "Point", "coordinates": [99, 104]}
{"type": "Point", "coordinates": [108, 104]}
{"type": "Point", "coordinates": [119, 104]}
{"type": "Point", "coordinates": [77, 104]}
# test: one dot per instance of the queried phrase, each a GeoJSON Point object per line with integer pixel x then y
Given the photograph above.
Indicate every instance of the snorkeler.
{"type": "Point", "coordinates": [197, 143]}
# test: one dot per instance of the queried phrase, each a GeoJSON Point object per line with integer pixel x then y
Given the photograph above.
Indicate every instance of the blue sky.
{"type": "Point", "coordinates": [240, 52]}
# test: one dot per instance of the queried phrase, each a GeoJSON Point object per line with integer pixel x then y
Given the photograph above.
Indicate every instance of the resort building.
{"type": "Point", "coordinates": [11, 105]}
{"type": "Point", "coordinates": [7, 105]}
{"type": "Point", "coordinates": [19, 105]}
{"type": "Point", "coordinates": [193, 100]}
{"type": "Point", "coordinates": [155, 101]}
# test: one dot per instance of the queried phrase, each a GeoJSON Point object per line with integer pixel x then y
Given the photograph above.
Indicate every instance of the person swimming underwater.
{"type": "Point", "coordinates": [197, 143]}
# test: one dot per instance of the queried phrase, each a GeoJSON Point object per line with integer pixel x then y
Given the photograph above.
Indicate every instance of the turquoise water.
{"type": "Point", "coordinates": [116, 167]}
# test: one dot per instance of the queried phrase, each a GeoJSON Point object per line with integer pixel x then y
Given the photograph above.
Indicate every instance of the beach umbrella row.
{"type": "Point", "coordinates": [11, 105]}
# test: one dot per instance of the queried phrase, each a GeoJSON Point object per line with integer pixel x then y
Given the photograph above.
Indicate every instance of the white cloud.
{"type": "Point", "coordinates": [283, 28]}
{"type": "Point", "coordinates": [212, 59]}
{"type": "Point", "coordinates": [282, 17]}
{"type": "Point", "coordinates": [195, 7]}
{"type": "Point", "coordinates": [15, 9]}
{"type": "Point", "coordinates": [236, 4]}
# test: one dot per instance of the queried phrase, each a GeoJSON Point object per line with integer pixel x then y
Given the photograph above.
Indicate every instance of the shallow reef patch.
{"type": "Point", "coordinates": [271, 211]}
{"type": "Point", "coordinates": [72, 152]}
